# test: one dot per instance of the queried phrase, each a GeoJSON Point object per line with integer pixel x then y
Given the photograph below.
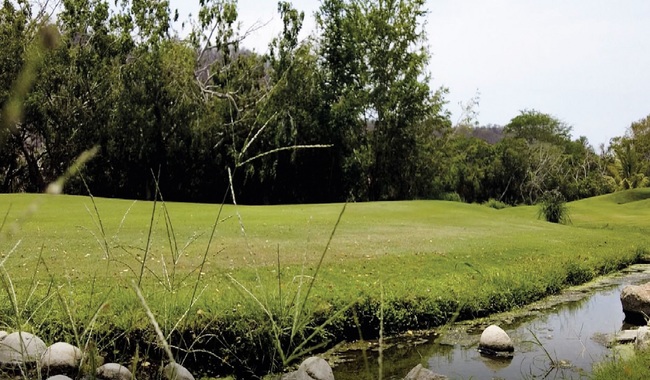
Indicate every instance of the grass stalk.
{"type": "Point", "coordinates": [154, 323]}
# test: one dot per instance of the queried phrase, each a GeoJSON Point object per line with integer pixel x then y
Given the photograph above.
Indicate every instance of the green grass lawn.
{"type": "Point", "coordinates": [422, 263]}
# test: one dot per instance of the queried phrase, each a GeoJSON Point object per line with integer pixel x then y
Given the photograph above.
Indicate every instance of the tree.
{"type": "Point", "coordinates": [554, 161]}
{"type": "Point", "coordinates": [639, 131]}
{"type": "Point", "coordinates": [376, 84]}
{"type": "Point", "coordinates": [536, 127]}
{"type": "Point", "coordinates": [626, 167]}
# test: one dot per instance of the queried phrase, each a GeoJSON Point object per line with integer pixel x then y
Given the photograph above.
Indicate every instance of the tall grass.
{"type": "Point", "coordinates": [553, 207]}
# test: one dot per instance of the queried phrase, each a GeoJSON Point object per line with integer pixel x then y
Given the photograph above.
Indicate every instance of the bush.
{"type": "Point", "coordinates": [552, 206]}
{"type": "Point", "coordinates": [496, 204]}
{"type": "Point", "coordinates": [451, 197]}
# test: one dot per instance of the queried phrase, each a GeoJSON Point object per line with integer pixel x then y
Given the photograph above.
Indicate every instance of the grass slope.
{"type": "Point", "coordinates": [417, 264]}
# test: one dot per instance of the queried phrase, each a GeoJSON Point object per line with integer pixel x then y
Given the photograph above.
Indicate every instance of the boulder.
{"type": "Point", "coordinates": [313, 368]}
{"type": "Point", "coordinates": [113, 371]}
{"type": "Point", "coordinates": [635, 300]}
{"type": "Point", "coordinates": [175, 371]}
{"type": "Point", "coordinates": [3, 334]}
{"type": "Point", "coordinates": [494, 339]}
{"type": "Point", "coordinates": [642, 342]}
{"type": "Point", "coordinates": [61, 358]}
{"type": "Point", "coordinates": [21, 348]}
{"type": "Point", "coordinates": [58, 377]}
{"type": "Point", "coordinates": [421, 373]}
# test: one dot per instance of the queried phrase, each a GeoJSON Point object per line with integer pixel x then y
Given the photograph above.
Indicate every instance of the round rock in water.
{"type": "Point", "coordinates": [60, 358]}
{"type": "Point", "coordinates": [175, 371]}
{"type": "Point", "coordinates": [495, 339]}
{"type": "Point", "coordinates": [113, 371]}
{"type": "Point", "coordinates": [21, 348]}
{"type": "Point", "coordinates": [315, 368]}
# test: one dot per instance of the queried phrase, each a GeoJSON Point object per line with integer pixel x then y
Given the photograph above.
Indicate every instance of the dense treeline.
{"type": "Point", "coordinates": [347, 114]}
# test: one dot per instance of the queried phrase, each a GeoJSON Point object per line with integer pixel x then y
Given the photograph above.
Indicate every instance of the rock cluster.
{"type": "Point", "coordinates": [635, 300]}
{"type": "Point", "coordinates": [61, 361]}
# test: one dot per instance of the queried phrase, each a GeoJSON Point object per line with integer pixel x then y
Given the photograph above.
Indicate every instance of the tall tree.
{"type": "Point", "coordinates": [375, 61]}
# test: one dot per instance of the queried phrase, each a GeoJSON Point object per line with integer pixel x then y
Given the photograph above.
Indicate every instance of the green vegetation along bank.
{"type": "Point", "coordinates": [239, 298]}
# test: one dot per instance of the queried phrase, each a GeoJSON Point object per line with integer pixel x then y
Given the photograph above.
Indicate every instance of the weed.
{"type": "Point", "coordinates": [451, 197]}
{"type": "Point", "coordinates": [553, 207]}
{"type": "Point", "coordinates": [496, 204]}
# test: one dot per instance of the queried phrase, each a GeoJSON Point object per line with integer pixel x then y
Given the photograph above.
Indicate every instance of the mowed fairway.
{"type": "Point", "coordinates": [423, 259]}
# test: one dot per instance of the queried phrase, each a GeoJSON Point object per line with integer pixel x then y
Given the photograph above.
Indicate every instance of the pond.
{"type": "Point", "coordinates": [562, 336]}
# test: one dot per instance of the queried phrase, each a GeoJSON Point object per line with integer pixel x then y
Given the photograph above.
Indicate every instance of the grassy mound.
{"type": "Point", "coordinates": [633, 195]}
{"type": "Point", "coordinates": [244, 301]}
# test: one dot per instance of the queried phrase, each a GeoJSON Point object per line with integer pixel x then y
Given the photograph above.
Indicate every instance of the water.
{"type": "Point", "coordinates": [571, 336]}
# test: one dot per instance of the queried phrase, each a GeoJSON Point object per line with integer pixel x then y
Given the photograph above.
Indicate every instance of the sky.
{"type": "Point", "coordinates": [586, 62]}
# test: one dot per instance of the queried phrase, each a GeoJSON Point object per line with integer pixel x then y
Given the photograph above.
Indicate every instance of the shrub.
{"type": "Point", "coordinates": [451, 197]}
{"type": "Point", "coordinates": [496, 204]}
{"type": "Point", "coordinates": [552, 206]}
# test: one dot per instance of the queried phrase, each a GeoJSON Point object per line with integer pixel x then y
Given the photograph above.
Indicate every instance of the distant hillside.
{"type": "Point", "coordinates": [490, 133]}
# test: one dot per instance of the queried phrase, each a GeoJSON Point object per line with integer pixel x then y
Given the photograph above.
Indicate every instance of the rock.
{"type": "Point", "coordinates": [625, 336]}
{"type": "Point", "coordinates": [61, 357]}
{"type": "Point", "coordinates": [113, 371]}
{"type": "Point", "coordinates": [313, 368]}
{"type": "Point", "coordinates": [21, 348]}
{"type": "Point", "coordinates": [59, 377]}
{"type": "Point", "coordinates": [175, 371]}
{"type": "Point", "coordinates": [635, 300]}
{"type": "Point", "coordinates": [3, 334]}
{"type": "Point", "coordinates": [421, 373]}
{"type": "Point", "coordinates": [495, 339]}
{"type": "Point", "coordinates": [642, 338]}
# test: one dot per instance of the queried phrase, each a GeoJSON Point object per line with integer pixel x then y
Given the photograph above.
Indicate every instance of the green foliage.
{"type": "Point", "coordinates": [451, 197]}
{"type": "Point", "coordinates": [553, 207]}
{"type": "Point", "coordinates": [189, 110]}
{"type": "Point", "coordinates": [577, 273]}
{"type": "Point", "coordinates": [636, 367]}
{"type": "Point", "coordinates": [375, 75]}
{"type": "Point", "coordinates": [538, 127]}
{"type": "Point", "coordinates": [496, 204]}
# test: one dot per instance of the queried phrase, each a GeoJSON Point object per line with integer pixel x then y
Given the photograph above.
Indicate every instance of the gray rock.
{"type": "Point", "coordinates": [495, 339]}
{"type": "Point", "coordinates": [21, 348]}
{"type": "Point", "coordinates": [313, 368]}
{"type": "Point", "coordinates": [635, 300]}
{"type": "Point", "coordinates": [60, 357]}
{"type": "Point", "coordinates": [421, 373]}
{"type": "Point", "coordinates": [113, 371]}
{"type": "Point", "coordinates": [59, 377]}
{"type": "Point", "coordinates": [3, 334]}
{"type": "Point", "coordinates": [642, 342]}
{"type": "Point", "coordinates": [625, 336]}
{"type": "Point", "coordinates": [175, 371]}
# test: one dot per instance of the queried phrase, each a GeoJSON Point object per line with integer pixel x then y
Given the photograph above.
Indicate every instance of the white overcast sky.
{"type": "Point", "coordinates": [587, 62]}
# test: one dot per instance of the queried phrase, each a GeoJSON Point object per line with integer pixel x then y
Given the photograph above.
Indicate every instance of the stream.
{"type": "Point", "coordinates": [561, 337]}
